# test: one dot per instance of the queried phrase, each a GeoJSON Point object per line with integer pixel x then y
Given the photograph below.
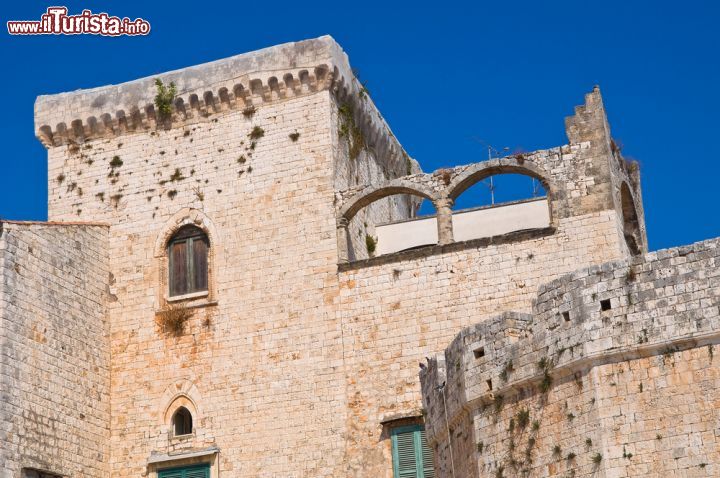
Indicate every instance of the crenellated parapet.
{"type": "Point", "coordinates": [648, 306]}
{"type": "Point", "coordinates": [240, 83]}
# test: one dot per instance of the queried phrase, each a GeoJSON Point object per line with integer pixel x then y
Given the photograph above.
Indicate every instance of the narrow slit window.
{"type": "Point", "coordinates": [188, 261]}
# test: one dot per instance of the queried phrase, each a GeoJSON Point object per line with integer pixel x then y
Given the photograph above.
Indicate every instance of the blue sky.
{"type": "Point", "coordinates": [443, 75]}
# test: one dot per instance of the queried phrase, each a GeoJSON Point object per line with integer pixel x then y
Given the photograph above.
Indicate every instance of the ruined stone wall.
{"type": "Point", "coordinates": [613, 375]}
{"type": "Point", "coordinates": [54, 349]}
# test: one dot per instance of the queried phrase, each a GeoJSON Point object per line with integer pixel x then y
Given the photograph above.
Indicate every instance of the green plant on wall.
{"type": "Point", "coordinates": [371, 244]}
{"type": "Point", "coordinates": [164, 98]}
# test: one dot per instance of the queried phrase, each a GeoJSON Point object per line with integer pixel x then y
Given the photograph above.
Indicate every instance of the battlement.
{"type": "Point", "coordinates": [649, 306]}
{"type": "Point", "coordinates": [238, 83]}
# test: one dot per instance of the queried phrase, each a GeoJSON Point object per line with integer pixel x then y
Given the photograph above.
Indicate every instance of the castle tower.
{"type": "Point", "coordinates": [265, 313]}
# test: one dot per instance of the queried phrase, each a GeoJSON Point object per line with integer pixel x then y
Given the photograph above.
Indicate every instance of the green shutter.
{"type": "Point", "coordinates": [170, 474]}
{"type": "Point", "coordinates": [427, 457]}
{"type": "Point", "coordinates": [199, 473]}
{"type": "Point", "coordinates": [412, 457]}
{"type": "Point", "coordinates": [195, 471]}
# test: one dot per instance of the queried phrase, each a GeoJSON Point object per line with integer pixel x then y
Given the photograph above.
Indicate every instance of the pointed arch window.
{"type": "Point", "coordinates": [182, 422]}
{"type": "Point", "coordinates": [188, 261]}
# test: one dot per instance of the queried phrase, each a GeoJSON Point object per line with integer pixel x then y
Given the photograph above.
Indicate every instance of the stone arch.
{"type": "Point", "coordinates": [374, 193]}
{"type": "Point", "coordinates": [186, 216]}
{"type": "Point", "coordinates": [631, 223]}
{"type": "Point", "coordinates": [479, 171]}
{"type": "Point", "coordinates": [181, 218]}
{"type": "Point", "coordinates": [182, 393]}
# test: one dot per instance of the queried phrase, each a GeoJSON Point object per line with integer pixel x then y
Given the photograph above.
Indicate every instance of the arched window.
{"type": "Point", "coordinates": [182, 422]}
{"type": "Point", "coordinates": [188, 261]}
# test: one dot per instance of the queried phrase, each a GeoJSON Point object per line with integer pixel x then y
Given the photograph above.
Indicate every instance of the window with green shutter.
{"type": "Point", "coordinates": [194, 471]}
{"type": "Point", "coordinates": [412, 458]}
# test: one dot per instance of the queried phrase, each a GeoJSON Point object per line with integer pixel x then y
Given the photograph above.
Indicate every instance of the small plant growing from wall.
{"type": "Point", "coordinates": [116, 162]}
{"type": "Point", "coordinates": [177, 175]}
{"type": "Point", "coordinates": [349, 129]}
{"type": "Point", "coordinates": [172, 319]}
{"type": "Point", "coordinates": [249, 111]}
{"type": "Point", "coordinates": [522, 418]}
{"type": "Point", "coordinates": [294, 136]}
{"type": "Point", "coordinates": [115, 200]}
{"type": "Point", "coordinates": [256, 133]}
{"type": "Point", "coordinates": [370, 244]}
{"type": "Point", "coordinates": [163, 99]}
{"type": "Point", "coordinates": [505, 372]}
{"type": "Point", "coordinates": [557, 451]}
{"type": "Point", "coordinates": [60, 178]}
{"type": "Point", "coordinates": [546, 383]}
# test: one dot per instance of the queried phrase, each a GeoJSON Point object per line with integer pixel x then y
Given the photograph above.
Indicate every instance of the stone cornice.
{"type": "Point", "coordinates": [243, 81]}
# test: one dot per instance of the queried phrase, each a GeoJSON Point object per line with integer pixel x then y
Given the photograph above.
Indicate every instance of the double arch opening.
{"type": "Point", "coordinates": [445, 226]}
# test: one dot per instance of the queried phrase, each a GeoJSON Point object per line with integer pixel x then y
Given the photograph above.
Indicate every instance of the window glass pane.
{"type": "Point", "coordinates": [178, 268]}
{"type": "Point", "coordinates": [200, 262]}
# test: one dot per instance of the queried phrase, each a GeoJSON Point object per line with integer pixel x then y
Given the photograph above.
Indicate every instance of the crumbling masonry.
{"type": "Point", "coordinates": [571, 351]}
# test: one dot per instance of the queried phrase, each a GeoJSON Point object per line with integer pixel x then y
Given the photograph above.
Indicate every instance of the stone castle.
{"type": "Point", "coordinates": [234, 282]}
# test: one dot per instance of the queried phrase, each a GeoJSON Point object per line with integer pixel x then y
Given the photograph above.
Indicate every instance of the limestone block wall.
{"type": "Point", "coordinates": [398, 309]}
{"type": "Point", "coordinates": [368, 156]}
{"type": "Point", "coordinates": [613, 375]}
{"type": "Point", "coordinates": [588, 175]}
{"type": "Point", "coordinates": [397, 312]}
{"type": "Point", "coordinates": [261, 357]}
{"type": "Point", "coordinates": [261, 182]}
{"type": "Point", "coordinates": [296, 356]}
{"type": "Point", "coordinates": [54, 349]}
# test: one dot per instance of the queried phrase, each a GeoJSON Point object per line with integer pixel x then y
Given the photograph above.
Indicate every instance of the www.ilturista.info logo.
{"type": "Point", "coordinates": [57, 22]}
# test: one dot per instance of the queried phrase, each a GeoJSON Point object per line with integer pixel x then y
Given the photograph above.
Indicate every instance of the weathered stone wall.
{"type": "Point", "coordinates": [292, 363]}
{"type": "Point", "coordinates": [267, 204]}
{"type": "Point", "coordinates": [54, 349]}
{"type": "Point", "coordinates": [398, 309]}
{"type": "Point", "coordinates": [614, 375]}
{"type": "Point", "coordinates": [261, 357]}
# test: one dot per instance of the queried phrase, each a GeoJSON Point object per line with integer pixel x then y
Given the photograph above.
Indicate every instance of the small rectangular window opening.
{"type": "Point", "coordinates": [489, 384]}
{"type": "Point", "coordinates": [605, 305]}
{"type": "Point", "coordinates": [566, 316]}
{"type": "Point", "coordinates": [479, 352]}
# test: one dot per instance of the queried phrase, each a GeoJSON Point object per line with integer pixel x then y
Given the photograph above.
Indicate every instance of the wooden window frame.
{"type": "Point", "coordinates": [191, 289]}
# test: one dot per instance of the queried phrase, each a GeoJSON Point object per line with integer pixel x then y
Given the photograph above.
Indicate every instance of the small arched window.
{"type": "Point", "coordinates": [188, 261]}
{"type": "Point", "coordinates": [182, 422]}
